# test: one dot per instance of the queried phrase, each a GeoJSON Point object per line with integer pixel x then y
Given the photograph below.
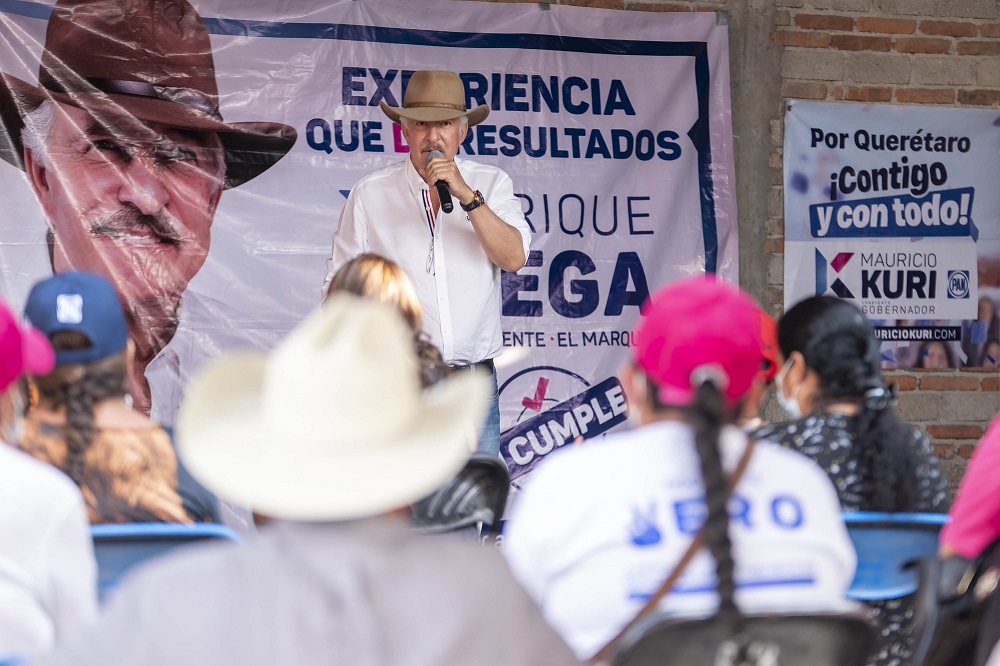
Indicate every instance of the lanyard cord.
{"type": "Point", "coordinates": [428, 211]}
{"type": "Point", "coordinates": [429, 215]}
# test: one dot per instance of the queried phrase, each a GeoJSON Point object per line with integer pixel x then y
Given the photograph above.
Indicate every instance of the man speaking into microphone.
{"type": "Point", "coordinates": [453, 258]}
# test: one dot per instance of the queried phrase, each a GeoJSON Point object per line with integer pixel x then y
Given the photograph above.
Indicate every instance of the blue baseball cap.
{"type": "Point", "coordinates": [81, 302]}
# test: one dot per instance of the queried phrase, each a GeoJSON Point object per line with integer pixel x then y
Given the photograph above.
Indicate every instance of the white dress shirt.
{"type": "Point", "coordinates": [389, 213]}
{"type": "Point", "coordinates": [598, 528]}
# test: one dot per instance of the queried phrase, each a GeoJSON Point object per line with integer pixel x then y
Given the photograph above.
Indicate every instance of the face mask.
{"type": "Point", "coordinates": [789, 404]}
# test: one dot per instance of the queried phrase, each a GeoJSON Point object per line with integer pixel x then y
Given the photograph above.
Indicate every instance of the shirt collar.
{"type": "Point", "coordinates": [413, 179]}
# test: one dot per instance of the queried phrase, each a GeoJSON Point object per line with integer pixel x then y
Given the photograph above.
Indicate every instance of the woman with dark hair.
{"type": "Point", "coordinates": [599, 526]}
{"type": "Point", "coordinates": [831, 384]}
{"type": "Point", "coordinates": [83, 424]}
{"type": "Point", "coordinates": [935, 355]}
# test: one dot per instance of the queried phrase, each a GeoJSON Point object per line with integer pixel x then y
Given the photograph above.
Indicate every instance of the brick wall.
{"type": "Point", "coordinates": [903, 52]}
{"type": "Point", "coordinates": [940, 52]}
{"type": "Point", "coordinates": [954, 407]}
{"type": "Point", "coordinates": [897, 56]}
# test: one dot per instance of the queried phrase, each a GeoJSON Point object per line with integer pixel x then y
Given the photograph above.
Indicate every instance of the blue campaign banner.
{"type": "Point", "coordinates": [945, 213]}
{"type": "Point", "coordinates": [896, 208]}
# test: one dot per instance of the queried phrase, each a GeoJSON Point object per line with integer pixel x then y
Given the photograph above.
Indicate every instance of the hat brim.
{"type": "Point", "coordinates": [250, 148]}
{"type": "Point", "coordinates": [228, 445]}
{"type": "Point", "coordinates": [434, 113]}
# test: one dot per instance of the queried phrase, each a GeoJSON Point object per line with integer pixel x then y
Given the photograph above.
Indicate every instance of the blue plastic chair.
{"type": "Point", "coordinates": [890, 547]}
{"type": "Point", "coordinates": [121, 546]}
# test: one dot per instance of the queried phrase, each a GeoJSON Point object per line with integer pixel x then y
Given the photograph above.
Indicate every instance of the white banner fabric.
{"type": "Point", "coordinates": [614, 126]}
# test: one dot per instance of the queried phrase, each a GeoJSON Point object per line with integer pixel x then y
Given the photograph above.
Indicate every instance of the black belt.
{"type": "Point", "coordinates": [485, 365]}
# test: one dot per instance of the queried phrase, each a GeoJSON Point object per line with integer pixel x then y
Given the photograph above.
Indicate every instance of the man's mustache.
{"type": "Point", "coordinates": [125, 220]}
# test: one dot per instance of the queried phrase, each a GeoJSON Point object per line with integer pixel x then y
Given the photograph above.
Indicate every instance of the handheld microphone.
{"type": "Point", "coordinates": [444, 195]}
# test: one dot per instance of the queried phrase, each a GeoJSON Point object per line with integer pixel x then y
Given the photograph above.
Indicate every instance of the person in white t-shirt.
{"type": "Point", "coordinates": [599, 527]}
{"type": "Point", "coordinates": [48, 578]}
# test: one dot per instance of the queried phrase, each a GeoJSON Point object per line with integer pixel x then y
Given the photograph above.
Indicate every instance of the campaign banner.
{"type": "Point", "coordinates": [587, 414]}
{"type": "Point", "coordinates": [613, 125]}
{"type": "Point", "coordinates": [897, 209]}
{"type": "Point", "coordinates": [893, 280]}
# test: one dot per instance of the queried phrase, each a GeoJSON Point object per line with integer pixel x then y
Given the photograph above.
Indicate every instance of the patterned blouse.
{"type": "Point", "coordinates": [128, 475]}
{"type": "Point", "coordinates": [828, 439]}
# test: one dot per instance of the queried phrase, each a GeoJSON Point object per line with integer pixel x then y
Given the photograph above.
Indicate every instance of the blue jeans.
{"type": "Point", "coordinates": [489, 436]}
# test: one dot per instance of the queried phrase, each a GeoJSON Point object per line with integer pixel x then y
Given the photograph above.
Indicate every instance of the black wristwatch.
{"type": "Point", "coordinates": [476, 202]}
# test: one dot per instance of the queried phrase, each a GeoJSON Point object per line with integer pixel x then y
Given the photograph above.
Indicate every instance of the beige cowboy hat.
{"type": "Point", "coordinates": [146, 59]}
{"type": "Point", "coordinates": [331, 425]}
{"type": "Point", "coordinates": [433, 95]}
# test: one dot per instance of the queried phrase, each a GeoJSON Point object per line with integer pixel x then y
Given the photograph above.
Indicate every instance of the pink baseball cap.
{"type": "Point", "coordinates": [22, 349]}
{"type": "Point", "coordinates": [696, 329]}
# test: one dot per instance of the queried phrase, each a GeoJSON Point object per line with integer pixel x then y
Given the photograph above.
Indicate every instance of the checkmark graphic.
{"type": "Point", "coordinates": [536, 402]}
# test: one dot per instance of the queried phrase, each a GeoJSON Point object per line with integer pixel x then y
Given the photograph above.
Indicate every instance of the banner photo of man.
{"type": "Point", "coordinates": [897, 209]}
{"type": "Point", "coordinates": [199, 155]}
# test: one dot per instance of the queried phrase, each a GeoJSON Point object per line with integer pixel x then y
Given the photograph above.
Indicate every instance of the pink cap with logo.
{"type": "Point", "coordinates": [699, 329]}
{"type": "Point", "coordinates": [22, 349]}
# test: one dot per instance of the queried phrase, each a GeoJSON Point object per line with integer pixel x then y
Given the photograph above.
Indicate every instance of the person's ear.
{"type": "Point", "coordinates": [634, 382]}
{"type": "Point", "coordinates": [797, 368]}
{"type": "Point", "coordinates": [129, 356]}
{"type": "Point", "coordinates": [37, 172]}
{"type": "Point", "coordinates": [6, 409]}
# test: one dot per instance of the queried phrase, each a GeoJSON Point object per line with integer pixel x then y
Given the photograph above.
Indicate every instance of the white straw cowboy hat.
{"type": "Point", "coordinates": [150, 60]}
{"type": "Point", "coordinates": [331, 425]}
{"type": "Point", "coordinates": [433, 95]}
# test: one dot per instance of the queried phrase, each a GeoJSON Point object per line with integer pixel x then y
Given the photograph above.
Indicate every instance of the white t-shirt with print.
{"type": "Point", "coordinates": [598, 528]}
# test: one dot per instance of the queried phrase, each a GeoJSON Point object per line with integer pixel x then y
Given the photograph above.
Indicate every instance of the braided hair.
{"type": "Point", "coordinates": [707, 415]}
{"type": "Point", "coordinates": [839, 345]}
{"type": "Point", "coordinates": [433, 368]}
{"type": "Point", "coordinates": [79, 388]}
